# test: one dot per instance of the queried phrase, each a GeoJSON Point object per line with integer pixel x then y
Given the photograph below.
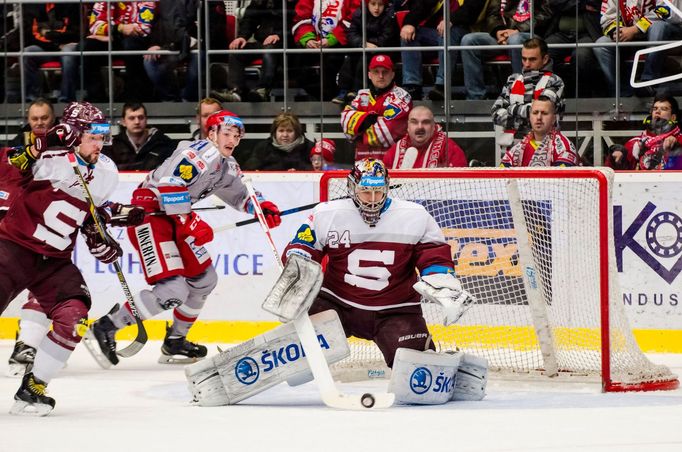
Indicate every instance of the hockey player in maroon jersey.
{"type": "Point", "coordinates": [373, 244]}
{"type": "Point", "coordinates": [38, 234]}
{"type": "Point", "coordinates": [170, 245]}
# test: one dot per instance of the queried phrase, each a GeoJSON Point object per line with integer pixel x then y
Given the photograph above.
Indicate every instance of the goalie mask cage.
{"type": "Point", "coordinates": [535, 247]}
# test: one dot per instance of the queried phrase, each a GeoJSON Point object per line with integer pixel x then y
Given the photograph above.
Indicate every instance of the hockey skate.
{"type": "Point", "coordinates": [178, 350]}
{"type": "Point", "coordinates": [100, 341]}
{"type": "Point", "coordinates": [21, 360]}
{"type": "Point", "coordinates": [30, 399]}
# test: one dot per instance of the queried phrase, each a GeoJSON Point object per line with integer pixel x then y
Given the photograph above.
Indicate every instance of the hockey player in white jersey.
{"type": "Point", "coordinates": [170, 243]}
{"type": "Point", "coordinates": [373, 244]}
{"type": "Point", "coordinates": [38, 234]}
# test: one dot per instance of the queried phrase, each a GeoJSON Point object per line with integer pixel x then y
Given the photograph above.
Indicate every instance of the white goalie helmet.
{"type": "Point", "coordinates": [369, 176]}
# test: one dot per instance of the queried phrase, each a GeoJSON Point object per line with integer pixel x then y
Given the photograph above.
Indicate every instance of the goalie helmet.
{"type": "Point", "coordinates": [224, 118]}
{"type": "Point", "coordinates": [369, 175]}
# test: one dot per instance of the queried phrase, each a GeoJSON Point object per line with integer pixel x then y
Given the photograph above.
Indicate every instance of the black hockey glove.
{"type": "Point", "coordinates": [105, 250]}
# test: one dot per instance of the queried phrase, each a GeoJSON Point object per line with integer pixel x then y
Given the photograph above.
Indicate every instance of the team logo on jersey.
{"type": "Point", "coordinates": [420, 381]}
{"type": "Point", "coordinates": [146, 14]}
{"type": "Point", "coordinates": [392, 111]}
{"type": "Point", "coordinates": [247, 371]}
{"type": "Point", "coordinates": [305, 235]}
{"type": "Point", "coordinates": [186, 171]}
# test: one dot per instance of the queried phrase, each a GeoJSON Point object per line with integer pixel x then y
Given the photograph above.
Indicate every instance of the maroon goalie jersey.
{"type": "Point", "coordinates": [373, 268]}
{"type": "Point", "coordinates": [46, 215]}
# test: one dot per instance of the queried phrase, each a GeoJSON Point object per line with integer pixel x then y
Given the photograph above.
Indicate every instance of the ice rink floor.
{"type": "Point", "coordinates": [144, 406]}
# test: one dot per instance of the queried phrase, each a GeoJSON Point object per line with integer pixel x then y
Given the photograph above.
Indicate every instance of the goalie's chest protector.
{"type": "Point", "coordinates": [374, 267]}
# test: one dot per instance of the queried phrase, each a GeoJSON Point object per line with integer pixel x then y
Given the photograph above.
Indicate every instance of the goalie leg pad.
{"type": "Point", "coordinates": [295, 289]}
{"type": "Point", "coordinates": [423, 378]}
{"type": "Point", "coordinates": [471, 379]}
{"type": "Point", "coordinates": [264, 361]}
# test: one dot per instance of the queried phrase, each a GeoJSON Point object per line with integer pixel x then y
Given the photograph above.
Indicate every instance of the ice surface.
{"type": "Point", "coordinates": [144, 406]}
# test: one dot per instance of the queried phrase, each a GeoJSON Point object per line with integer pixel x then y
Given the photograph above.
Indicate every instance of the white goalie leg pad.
{"type": "Point", "coordinates": [205, 385]}
{"type": "Point", "coordinates": [445, 290]}
{"type": "Point", "coordinates": [471, 378]}
{"type": "Point", "coordinates": [423, 378]}
{"type": "Point", "coordinates": [264, 361]}
{"type": "Point", "coordinates": [295, 289]}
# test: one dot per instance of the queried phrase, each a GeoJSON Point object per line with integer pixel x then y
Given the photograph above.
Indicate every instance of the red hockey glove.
{"type": "Point", "coordinates": [193, 226]}
{"type": "Point", "coordinates": [271, 213]}
{"type": "Point", "coordinates": [105, 250]}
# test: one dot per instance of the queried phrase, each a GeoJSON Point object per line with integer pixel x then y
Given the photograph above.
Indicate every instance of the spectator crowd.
{"type": "Point", "coordinates": [376, 89]}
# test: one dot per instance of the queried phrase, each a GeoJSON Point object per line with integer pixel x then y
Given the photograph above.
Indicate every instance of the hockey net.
{"type": "Point", "coordinates": [535, 247]}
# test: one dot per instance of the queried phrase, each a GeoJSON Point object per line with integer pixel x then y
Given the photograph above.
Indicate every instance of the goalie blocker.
{"type": "Point", "coordinates": [264, 361]}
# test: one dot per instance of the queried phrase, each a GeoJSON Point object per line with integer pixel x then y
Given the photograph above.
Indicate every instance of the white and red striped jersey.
{"type": "Point", "coordinates": [373, 268]}
{"type": "Point", "coordinates": [46, 215]}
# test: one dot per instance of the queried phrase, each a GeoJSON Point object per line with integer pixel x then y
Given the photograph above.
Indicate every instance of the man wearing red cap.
{"type": "Point", "coordinates": [322, 154]}
{"type": "Point", "coordinates": [377, 117]}
{"type": "Point", "coordinates": [171, 243]}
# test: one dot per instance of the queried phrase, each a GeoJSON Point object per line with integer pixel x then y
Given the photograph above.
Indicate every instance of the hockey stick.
{"type": "Point", "coordinates": [123, 217]}
{"type": "Point", "coordinates": [306, 333]}
{"type": "Point", "coordinates": [141, 337]}
{"type": "Point", "coordinates": [312, 205]}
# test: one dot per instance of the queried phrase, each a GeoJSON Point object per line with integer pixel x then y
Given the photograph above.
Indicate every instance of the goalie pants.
{"type": "Point", "coordinates": [390, 329]}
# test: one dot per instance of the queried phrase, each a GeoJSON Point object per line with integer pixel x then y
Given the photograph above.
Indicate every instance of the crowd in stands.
{"type": "Point", "coordinates": [380, 120]}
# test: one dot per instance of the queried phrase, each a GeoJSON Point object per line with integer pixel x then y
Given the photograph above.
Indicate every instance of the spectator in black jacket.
{"type": "Point", "coordinates": [263, 21]}
{"type": "Point", "coordinates": [567, 28]}
{"type": "Point", "coordinates": [381, 30]}
{"type": "Point", "coordinates": [138, 147]}
{"type": "Point", "coordinates": [464, 18]}
{"type": "Point", "coordinates": [287, 148]}
{"type": "Point", "coordinates": [49, 27]}
{"type": "Point", "coordinates": [39, 119]}
{"type": "Point", "coordinates": [175, 30]}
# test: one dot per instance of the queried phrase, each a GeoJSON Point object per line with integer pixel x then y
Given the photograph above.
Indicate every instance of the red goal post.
{"type": "Point", "coordinates": [535, 246]}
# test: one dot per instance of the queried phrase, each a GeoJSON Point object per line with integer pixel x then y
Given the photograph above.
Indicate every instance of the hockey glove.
{"type": "Point", "coordinates": [193, 226]}
{"type": "Point", "coordinates": [445, 290]}
{"type": "Point", "coordinates": [105, 250]}
{"type": "Point", "coordinates": [271, 213]}
{"type": "Point", "coordinates": [23, 157]}
{"type": "Point", "coordinates": [62, 135]}
{"type": "Point", "coordinates": [122, 215]}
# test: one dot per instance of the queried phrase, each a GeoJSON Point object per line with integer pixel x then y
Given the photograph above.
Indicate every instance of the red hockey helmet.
{"type": "Point", "coordinates": [82, 115]}
{"type": "Point", "coordinates": [226, 119]}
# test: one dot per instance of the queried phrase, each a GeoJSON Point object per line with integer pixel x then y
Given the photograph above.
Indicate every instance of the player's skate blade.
{"type": "Point", "coordinates": [93, 347]}
{"type": "Point", "coordinates": [178, 350]}
{"type": "Point", "coordinates": [30, 399]}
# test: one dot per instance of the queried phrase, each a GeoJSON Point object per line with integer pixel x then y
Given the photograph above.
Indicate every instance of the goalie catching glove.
{"type": "Point", "coordinates": [445, 290]}
{"type": "Point", "coordinates": [105, 249]}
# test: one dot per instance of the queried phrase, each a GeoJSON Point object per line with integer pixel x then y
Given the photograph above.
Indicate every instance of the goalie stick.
{"type": "Point", "coordinates": [141, 337]}
{"type": "Point", "coordinates": [306, 333]}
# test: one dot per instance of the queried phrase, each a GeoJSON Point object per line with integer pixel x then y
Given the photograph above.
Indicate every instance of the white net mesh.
{"type": "Point", "coordinates": [562, 216]}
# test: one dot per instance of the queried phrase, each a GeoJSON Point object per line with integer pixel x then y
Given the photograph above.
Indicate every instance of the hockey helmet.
{"type": "Point", "coordinates": [369, 175]}
{"type": "Point", "coordinates": [85, 117]}
{"type": "Point", "coordinates": [225, 118]}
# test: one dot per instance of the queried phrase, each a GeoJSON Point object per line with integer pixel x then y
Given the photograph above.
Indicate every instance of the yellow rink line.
{"type": "Point", "coordinates": [522, 338]}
